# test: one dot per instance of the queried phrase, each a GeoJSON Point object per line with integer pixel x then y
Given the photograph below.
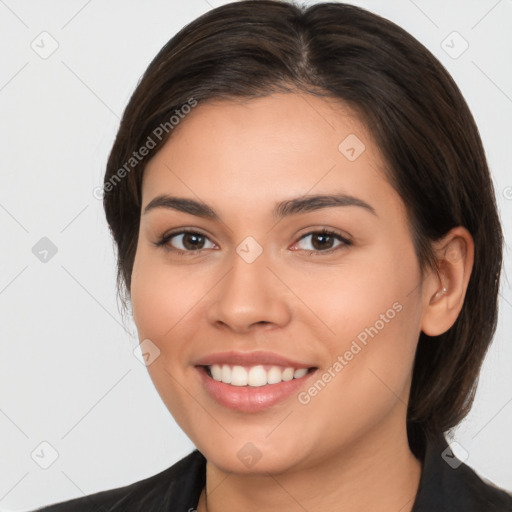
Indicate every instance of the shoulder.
{"type": "Point", "coordinates": [447, 484]}
{"type": "Point", "coordinates": [176, 488]}
{"type": "Point", "coordinates": [484, 493]}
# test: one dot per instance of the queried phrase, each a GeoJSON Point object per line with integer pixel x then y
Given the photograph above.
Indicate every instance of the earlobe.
{"type": "Point", "coordinates": [445, 290]}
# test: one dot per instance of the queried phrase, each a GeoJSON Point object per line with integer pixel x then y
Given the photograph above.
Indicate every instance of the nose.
{"type": "Point", "coordinates": [250, 296]}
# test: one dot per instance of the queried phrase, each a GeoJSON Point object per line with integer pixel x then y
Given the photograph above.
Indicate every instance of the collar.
{"type": "Point", "coordinates": [448, 485]}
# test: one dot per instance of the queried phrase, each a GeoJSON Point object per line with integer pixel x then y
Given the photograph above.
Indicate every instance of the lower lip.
{"type": "Point", "coordinates": [251, 398]}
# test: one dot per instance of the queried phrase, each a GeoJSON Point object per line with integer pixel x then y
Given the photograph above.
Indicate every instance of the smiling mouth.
{"type": "Point", "coordinates": [256, 375]}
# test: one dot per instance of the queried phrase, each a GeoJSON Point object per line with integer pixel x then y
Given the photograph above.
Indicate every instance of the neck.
{"type": "Point", "coordinates": [377, 473]}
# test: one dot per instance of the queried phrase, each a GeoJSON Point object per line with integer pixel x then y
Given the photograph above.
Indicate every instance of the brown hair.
{"type": "Point", "coordinates": [409, 103]}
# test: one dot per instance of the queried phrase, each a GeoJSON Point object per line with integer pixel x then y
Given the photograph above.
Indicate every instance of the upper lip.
{"type": "Point", "coordinates": [249, 359]}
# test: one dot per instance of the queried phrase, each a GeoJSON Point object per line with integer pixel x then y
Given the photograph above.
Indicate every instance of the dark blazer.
{"type": "Point", "coordinates": [446, 485]}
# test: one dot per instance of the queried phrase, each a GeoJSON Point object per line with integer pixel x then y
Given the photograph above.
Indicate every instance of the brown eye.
{"type": "Point", "coordinates": [323, 241]}
{"type": "Point", "coordinates": [192, 241]}
{"type": "Point", "coordinates": [188, 241]}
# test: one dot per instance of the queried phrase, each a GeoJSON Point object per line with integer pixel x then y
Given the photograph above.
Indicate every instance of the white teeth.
{"type": "Point", "coordinates": [288, 374]}
{"type": "Point", "coordinates": [257, 376]}
{"type": "Point", "coordinates": [254, 376]}
{"type": "Point", "coordinates": [226, 374]}
{"type": "Point", "coordinates": [216, 372]}
{"type": "Point", "coordinates": [239, 376]}
{"type": "Point", "coordinates": [300, 373]}
{"type": "Point", "coordinates": [274, 375]}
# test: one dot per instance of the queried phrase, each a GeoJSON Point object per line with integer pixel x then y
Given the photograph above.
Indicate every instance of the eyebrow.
{"type": "Point", "coordinates": [282, 209]}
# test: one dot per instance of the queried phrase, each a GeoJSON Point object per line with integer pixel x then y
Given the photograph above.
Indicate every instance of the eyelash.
{"type": "Point", "coordinates": [169, 236]}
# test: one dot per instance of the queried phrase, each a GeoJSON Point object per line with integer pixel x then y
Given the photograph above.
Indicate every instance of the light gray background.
{"type": "Point", "coordinates": [68, 373]}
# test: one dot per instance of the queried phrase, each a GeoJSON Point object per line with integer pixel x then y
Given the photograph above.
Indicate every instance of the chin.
{"type": "Point", "coordinates": [253, 461]}
{"type": "Point", "coordinates": [242, 456]}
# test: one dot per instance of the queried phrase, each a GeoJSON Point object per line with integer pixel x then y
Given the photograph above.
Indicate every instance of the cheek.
{"type": "Point", "coordinates": [367, 378]}
{"type": "Point", "coordinates": [158, 298]}
{"type": "Point", "coordinates": [167, 304]}
{"type": "Point", "coordinates": [364, 292]}
{"type": "Point", "coordinates": [147, 307]}
{"type": "Point", "coordinates": [160, 312]}
{"type": "Point", "coordinates": [373, 314]}
{"type": "Point", "coordinates": [145, 298]}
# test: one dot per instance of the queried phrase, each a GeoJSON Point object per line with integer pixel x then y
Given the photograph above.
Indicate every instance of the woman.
{"type": "Point", "coordinates": [308, 239]}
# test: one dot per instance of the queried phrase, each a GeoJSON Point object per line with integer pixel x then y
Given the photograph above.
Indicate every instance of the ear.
{"type": "Point", "coordinates": [444, 291]}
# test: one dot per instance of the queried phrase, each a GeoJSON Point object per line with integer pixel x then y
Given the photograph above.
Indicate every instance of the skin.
{"type": "Point", "coordinates": [350, 441]}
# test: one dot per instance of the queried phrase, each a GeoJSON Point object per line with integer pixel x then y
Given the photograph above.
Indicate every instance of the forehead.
{"type": "Point", "coordinates": [274, 147]}
{"type": "Point", "coordinates": [278, 122]}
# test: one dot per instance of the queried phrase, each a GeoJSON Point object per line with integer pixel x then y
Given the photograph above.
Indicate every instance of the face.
{"type": "Point", "coordinates": [285, 318]}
